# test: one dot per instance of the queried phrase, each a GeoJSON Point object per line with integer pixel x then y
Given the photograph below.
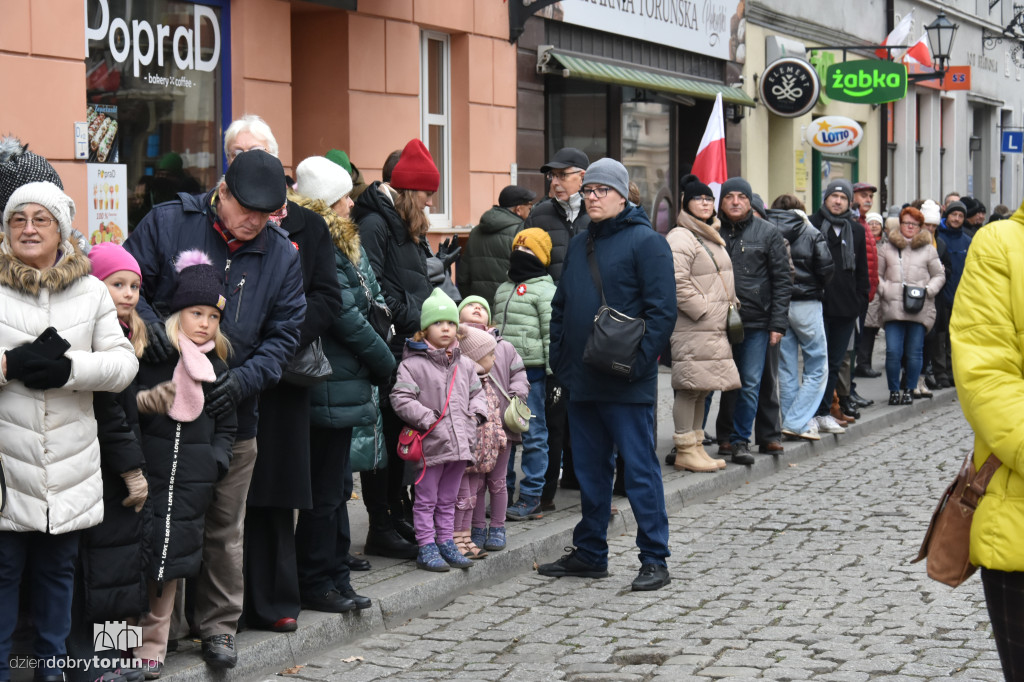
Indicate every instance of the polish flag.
{"type": "Point", "coordinates": [919, 52]}
{"type": "Point", "coordinates": [709, 165]}
{"type": "Point", "coordinates": [898, 35]}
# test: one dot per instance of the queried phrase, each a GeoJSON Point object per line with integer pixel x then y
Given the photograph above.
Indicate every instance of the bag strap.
{"type": "Point", "coordinates": [594, 272]}
{"type": "Point", "coordinates": [975, 489]}
{"type": "Point", "coordinates": [714, 262]}
{"type": "Point", "coordinates": [899, 254]}
{"type": "Point", "coordinates": [445, 409]}
{"type": "Point", "coordinates": [498, 384]}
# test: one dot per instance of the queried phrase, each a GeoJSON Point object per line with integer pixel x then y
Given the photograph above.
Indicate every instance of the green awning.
{"type": "Point", "coordinates": [622, 73]}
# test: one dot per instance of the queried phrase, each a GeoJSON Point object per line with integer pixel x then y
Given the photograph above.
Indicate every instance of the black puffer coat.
{"type": "Point", "coordinates": [760, 268]}
{"type": "Point", "coordinates": [182, 478]}
{"type": "Point", "coordinates": [550, 216]}
{"type": "Point", "coordinates": [847, 293]}
{"type": "Point", "coordinates": [812, 261]}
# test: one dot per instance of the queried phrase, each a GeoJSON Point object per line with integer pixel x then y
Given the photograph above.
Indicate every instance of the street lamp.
{"type": "Point", "coordinates": [940, 36]}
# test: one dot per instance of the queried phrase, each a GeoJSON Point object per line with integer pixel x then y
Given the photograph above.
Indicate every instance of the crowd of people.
{"type": "Point", "coordinates": [168, 405]}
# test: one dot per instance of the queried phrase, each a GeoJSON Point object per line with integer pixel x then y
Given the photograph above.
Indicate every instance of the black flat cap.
{"type": "Point", "coordinates": [256, 179]}
{"type": "Point", "coordinates": [567, 157]}
{"type": "Point", "coordinates": [514, 195]}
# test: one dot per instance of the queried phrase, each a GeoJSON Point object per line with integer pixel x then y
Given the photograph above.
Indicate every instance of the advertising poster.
{"type": "Point", "coordinates": [107, 203]}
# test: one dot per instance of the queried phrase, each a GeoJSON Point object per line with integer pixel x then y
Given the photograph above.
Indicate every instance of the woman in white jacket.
{"type": "Point", "coordinates": [60, 341]}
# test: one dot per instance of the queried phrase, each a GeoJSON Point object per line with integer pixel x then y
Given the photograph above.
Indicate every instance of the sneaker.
{"type": "Point", "coordinates": [219, 651]}
{"type": "Point", "coordinates": [526, 508]}
{"type": "Point", "coordinates": [151, 669]}
{"type": "Point", "coordinates": [651, 577]}
{"type": "Point", "coordinates": [495, 541]}
{"type": "Point", "coordinates": [451, 554]}
{"type": "Point", "coordinates": [827, 424]}
{"type": "Point", "coordinates": [478, 536]}
{"type": "Point", "coordinates": [810, 431]}
{"type": "Point", "coordinates": [741, 453]}
{"type": "Point", "coordinates": [571, 566]}
{"type": "Point", "coordinates": [429, 559]}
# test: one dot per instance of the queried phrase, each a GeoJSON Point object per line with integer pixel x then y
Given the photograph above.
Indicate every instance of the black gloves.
{"type": "Point", "coordinates": [223, 397]}
{"type": "Point", "coordinates": [16, 358]}
{"type": "Point", "coordinates": [448, 251]}
{"type": "Point", "coordinates": [42, 373]}
{"type": "Point", "coordinates": [555, 391]}
{"type": "Point", "coordinates": [158, 346]}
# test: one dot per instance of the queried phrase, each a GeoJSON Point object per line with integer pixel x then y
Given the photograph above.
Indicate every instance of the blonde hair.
{"type": "Point", "coordinates": [137, 332]}
{"type": "Point", "coordinates": [221, 345]}
{"type": "Point", "coordinates": [413, 216]}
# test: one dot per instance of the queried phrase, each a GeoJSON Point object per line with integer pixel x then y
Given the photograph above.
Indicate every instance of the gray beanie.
{"type": "Point", "coordinates": [840, 185]}
{"type": "Point", "coordinates": [956, 206]}
{"type": "Point", "coordinates": [737, 184]}
{"type": "Point", "coordinates": [608, 172]}
{"type": "Point", "coordinates": [47, 195]}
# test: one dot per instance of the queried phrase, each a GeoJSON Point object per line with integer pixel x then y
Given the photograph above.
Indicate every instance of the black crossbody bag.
{"type": "Point", "coordinates": [615, 337]}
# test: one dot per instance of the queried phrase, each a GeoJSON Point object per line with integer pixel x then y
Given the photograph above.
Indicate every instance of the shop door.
{"type": "Point", "coordinates": [829, 167]}
{"type": "Point", "coordinates": [646, 153]}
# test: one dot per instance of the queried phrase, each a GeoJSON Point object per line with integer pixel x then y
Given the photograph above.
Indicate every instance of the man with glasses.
{"type": "Point", "coordinates": [637, 279]}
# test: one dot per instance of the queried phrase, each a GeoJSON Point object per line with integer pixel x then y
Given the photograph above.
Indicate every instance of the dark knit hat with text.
{"type": "Point", "coordinates": [415, 169]}
{"type": "Point", "coordinates": [199, 282]}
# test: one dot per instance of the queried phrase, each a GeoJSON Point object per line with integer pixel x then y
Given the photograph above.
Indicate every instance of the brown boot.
{"type": "Point", "coordinates": [720, 463]}
{"type": "Point", "coordinates": [837, 413]}
{"type": "Point", "coordinates": [687, 456]}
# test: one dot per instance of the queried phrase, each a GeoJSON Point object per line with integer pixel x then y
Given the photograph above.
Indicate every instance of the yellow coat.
{"type": "Point", "coordinates": [987, 334]}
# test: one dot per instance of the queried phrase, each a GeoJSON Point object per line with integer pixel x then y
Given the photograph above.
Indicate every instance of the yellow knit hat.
{"type": "Point", "coordinates": [536, 240]}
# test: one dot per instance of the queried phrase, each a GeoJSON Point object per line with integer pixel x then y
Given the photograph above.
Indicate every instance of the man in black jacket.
{"type": "Point", "coordinates": [847, 294]}
{"type": "Point", "coordinates": [761, 269]}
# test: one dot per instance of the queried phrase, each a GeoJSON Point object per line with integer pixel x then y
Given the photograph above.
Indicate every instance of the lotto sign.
{"type": "Point", "coordinates": [789, 87]}
{"type": "Point", "coordinates": [866, 81]}
{"type": "Point", "coordinates": [834, 134]}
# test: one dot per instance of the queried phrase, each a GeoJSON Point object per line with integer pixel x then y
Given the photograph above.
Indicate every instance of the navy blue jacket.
{"type": "Point", "coordinates": [957, 242]}
{"type": "Point", "coordinates": [638, 279]}
{"type": "Point", "coordinates": [262, 284]}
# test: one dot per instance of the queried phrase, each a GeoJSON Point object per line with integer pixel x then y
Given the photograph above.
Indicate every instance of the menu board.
{"type": "Point", "coordinates": [107, 203]}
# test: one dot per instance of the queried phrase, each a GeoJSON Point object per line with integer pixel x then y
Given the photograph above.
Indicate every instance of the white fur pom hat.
{"type": "Point", "coordinates": [47, 195]}
{"type": "Point", "coordinates": [317, 177]}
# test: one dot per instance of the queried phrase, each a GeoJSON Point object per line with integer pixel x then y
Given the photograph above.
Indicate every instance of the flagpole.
{"type": "Point", "coordinates": [883, 146]}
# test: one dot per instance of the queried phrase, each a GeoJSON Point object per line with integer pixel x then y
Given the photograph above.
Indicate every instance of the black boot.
{"type": "Point", "coordinates": [847, 407]}
{"type": "Point", "coordinates": [383, 540]}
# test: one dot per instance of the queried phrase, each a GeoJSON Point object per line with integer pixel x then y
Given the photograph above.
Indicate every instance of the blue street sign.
{"type": "Point", "coordinates": [1013, 141]}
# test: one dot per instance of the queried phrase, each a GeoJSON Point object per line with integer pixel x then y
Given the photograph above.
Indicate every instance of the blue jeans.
{"type": "Point", "coordinates": [595, 428]}
{"type": "Point", "coordinates": [903, 340]}
{"type": "Point", "coordinates": [534, 461]}
{"type": "Point", "coordinates": [750, 358]}
{"type": "Point", "coordinates": [800, 400]}
{"type": "Point", "coordinates": [838, 331]}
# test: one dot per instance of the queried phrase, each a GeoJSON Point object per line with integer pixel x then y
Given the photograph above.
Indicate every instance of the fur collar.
{"type": "Point", "coordinates": [344, 232]}
{"type": "Point", "coordinates": [72, 266]}
{"type": "Point", "coordinates": [700, 228]}
{"type": "Point", "coordinates": [922, 238]}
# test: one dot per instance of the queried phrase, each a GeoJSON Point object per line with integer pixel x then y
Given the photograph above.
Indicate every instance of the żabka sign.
{"type": "Point", "coordinates": [834, 134]}
{"type": "Point", "coordinates": [143, 37]}
{"type": "Point", "coordinates": [866, 81]}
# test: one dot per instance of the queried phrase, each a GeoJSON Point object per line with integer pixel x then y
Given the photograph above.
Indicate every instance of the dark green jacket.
{"type": "Point", "coordinates": [484, 262]}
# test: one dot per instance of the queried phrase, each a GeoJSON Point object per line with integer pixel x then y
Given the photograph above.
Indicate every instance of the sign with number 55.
{"type": "Point", "coordinates": [957, 78]}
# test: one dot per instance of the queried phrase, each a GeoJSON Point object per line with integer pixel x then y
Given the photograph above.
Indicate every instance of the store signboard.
{"type": "Point", "coordinates": [789, 87]}
{"type": "Point", "coordinates": [834, 134]}
{"type": "Point", "coordinates": [714, 28]}
{"type": "Point", "coordinates": [107, 203]}
{"type": "Point", "coordinates": [956, 78]}
{"type": "Point", "coordinates": [866, 81]}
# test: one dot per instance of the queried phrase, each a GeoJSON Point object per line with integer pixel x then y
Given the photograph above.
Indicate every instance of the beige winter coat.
{"type": "Point", "coordinates": [701, 354]}
{"type": "Point", "coordinates": [921, 267]}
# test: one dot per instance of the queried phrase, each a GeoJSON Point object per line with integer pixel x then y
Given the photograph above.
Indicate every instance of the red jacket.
{"type": "Point", "coordinates": [872, 250]}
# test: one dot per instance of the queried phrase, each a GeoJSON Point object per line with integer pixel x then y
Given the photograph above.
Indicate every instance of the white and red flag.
{"type": "Point", "coordinates": [709, 165]}
{"type": "Point", "coordinates": [898, 35]}
{"type": "Point", "coordinates": [919, 52]}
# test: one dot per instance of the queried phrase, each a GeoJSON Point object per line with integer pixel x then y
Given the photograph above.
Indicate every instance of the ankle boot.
{"type": "Point", "coordinates": [720, 463]}
{"type": "Point", "coordinates": [687, 456]}
{"type": "Point", "coordinates": [383, 540]}
{"type": "Point", "coordinates": [837, 412]}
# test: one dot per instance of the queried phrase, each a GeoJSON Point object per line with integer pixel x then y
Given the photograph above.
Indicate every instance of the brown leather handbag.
{"type": "Point", "coordinates": [947, 544]}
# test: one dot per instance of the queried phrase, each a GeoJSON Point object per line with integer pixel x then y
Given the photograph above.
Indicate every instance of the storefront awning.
{"type": "Point", "coordinates": [572, 65]}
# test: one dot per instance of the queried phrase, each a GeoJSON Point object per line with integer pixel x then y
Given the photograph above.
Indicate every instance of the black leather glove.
{"type": "Point", "coordinates": [42, 373]}
{"type": "Point", "coordinates": [555, 391]}
{"type": "Point", "coordinates": [223, 397]}
{"type": "Point", "coordinates": [448, 251]}
{"type": "Point", "coordinates": [16, 358]}
{"type": "Point", "coordinates": [158, 346]}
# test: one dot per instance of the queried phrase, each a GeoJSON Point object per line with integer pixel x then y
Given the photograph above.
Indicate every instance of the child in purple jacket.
{"type": "Point", "coordinates": [432, 365]}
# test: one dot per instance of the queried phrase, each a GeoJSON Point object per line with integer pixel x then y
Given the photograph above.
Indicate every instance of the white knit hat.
{"type": "Point", "coordinates": [874, 217]}
{"type": "Point", "coordinates": [932, 212]}
{"type": "Point", "coordinates": [320, 178]}
{"type": "Point", "coordinates": [47, 195]}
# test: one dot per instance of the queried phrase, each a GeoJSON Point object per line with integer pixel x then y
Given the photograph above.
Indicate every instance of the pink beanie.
{"type": "Point", "coordinates": [108, 258]}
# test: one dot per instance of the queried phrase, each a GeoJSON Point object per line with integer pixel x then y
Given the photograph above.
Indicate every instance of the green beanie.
{"type": "Point", "coordinates": [476, 299]}
{"type": "Point", "coordinates": [438, 306]}
{"type": "Point", "coordinates": [341, 158]}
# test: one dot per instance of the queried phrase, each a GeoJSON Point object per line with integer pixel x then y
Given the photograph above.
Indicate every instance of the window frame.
{"type": "Point", "coordinates": [439, 219]}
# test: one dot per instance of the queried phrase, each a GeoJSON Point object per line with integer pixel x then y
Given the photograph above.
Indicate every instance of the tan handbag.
{"type": "Point", "coordinates": [517, 415]}
{"type": "Point", "coordinates": [947, 544]}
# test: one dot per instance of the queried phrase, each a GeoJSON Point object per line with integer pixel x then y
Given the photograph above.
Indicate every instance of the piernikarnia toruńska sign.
{"type": "Point", "coordinates": [866, 81]}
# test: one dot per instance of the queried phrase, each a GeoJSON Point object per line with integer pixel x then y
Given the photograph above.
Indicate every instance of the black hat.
{"type": "Point", "coordinates": [19, 166]}
{"type": "Point", "coordinates": [693, 187]}
{"type": "Point", "coordinates": [199, 282]}
{"type": "Point", "coordinates": [737, 184]}
{"type": "Point", "coordinates": [567, 157]}
{"type": "Point", "coordinates": [514, 195]}
{"type": "Point", "coordinates": [757, 203]}
{"type": "Point", "coordinates": [974, 207]}
{"type": "Point", "coordinates": [256, 179]}
{"type": "Point", "coordinates": [956, 206]}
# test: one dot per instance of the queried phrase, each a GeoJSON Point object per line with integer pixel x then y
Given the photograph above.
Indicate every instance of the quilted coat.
{"type": "Point", "coordinates": [50, 452]}
{"type": "Point", "coordinates": [484, 261]}
{"type": "Point", "coordinates": [921, 267]}
{"type": "Point", "coordinates": [701, 353]}
{"type": "Point", "coordinates": [986, 331]}
{"type": "Point", "coordinates": [523, 314]}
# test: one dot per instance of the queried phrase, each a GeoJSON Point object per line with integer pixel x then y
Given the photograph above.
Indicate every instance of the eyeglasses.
{"type": "Point", "coordinates": [561, 177]}
{"type": "Point", "coordinates": [40, 222]}
{"type": "Point", "coordinates": [703, 200]}
{"type": "Point", "coordinates": [599, 192]}
{"type": "Point", "coordinates": [238, 150]}
{"type": "Point", "coordinates": [911, 224]}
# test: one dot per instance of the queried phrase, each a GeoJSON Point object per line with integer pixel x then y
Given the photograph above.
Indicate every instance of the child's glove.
{"type": "Point", "coordinates": [156, 400]}
{"type": "Point", "coordinates": [138, 489]}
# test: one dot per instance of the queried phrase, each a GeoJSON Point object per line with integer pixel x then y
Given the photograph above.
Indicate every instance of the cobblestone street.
{"type": "Point", "coordinates": [803, 576]}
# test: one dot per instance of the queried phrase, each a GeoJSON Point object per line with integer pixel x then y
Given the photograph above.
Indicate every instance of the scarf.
{"type": "Point", "coordinates": [523, 266]}
{"type": "Point", "coordinates": [192, 369]}
{"type": "Point", "coordinates": [828, 224]}
{"type": "Point", "coordinates": [571, 207]}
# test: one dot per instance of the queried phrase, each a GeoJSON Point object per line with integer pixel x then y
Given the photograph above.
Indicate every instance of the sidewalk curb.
{"type": "Point", "coordinates": [413, 593]}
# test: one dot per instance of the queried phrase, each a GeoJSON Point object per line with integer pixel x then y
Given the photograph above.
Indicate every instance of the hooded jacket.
{"type": "Point", "coordinates": [812, 261]}
{"type": "Point", "coordinates": [957, 242]}
{"type": "Point", "coordinates": [549, 215]}
{"type": "Point", "coordinates": [49, 448]}
{"type": "Point", "coordinates": [760, 267]}
{"type": "Point", "coordinates": [635, 263]}
{"type": "Point", "coordinates": [847, 294]}
{"type": "Point", "coordinates": [484, 262]}
{"type": "Point", "coordinates": [920, 267]}
{"type": "Point", "coordinates": [986, 327]}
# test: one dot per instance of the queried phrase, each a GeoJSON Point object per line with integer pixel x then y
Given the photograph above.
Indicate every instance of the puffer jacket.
{"type": "Point", "coordinates": [484, 261]}
{"type": "Point", "coordinates": [523, 314]}
{"type": "Point", "coordinates": [701, 353]}
{"type": "Point", "coordinates": [812, 261]}
{"type": "Point", "coordinates": [920, 267]}
{"type": "Point", "coordinates": [549, 215]}
{"type": "Point", "coordinates": [760, 266]}
{"type": "Point", "coordinates": [874, 315]}
{"type": "Point", "coordinates": [957, 243]}
{"type": "Point", "coordinates": [424, 376]}
{"type": "Point", "coordinates": [49, 448]}
{"type": "Point", "coordinates": [985, 330]}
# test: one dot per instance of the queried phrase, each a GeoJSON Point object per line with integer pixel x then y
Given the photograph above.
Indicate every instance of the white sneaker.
{"type": "Point", "coordinates": [810, 431]}
{"type": "Point", "coordinates": [827, 424]}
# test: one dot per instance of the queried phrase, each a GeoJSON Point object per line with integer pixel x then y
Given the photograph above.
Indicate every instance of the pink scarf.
{"type": "Point", "coordinates": [192, 369]}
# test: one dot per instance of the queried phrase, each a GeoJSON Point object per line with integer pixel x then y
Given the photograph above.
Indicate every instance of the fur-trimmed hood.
{"type": "Point", "coordinates": [344, 232]}
{"type": "Point", "coordinates": [700, 228]}
{"type": "Point", "coordinates": [922, 238]}
{"type": "Point", "coordinates": [72, 266]}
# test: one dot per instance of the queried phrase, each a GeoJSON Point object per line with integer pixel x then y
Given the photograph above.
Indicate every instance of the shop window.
{"type": "Point", "coordinates": [435, 117]}
{"type": "Point", "coordinates": [577, 117]}
{"type": "Point", "coordinates": [829, 167]}
{"type": "Point", "coordinates": [157, 90]}
{"type": "Point", "coordinates": [646, 150]}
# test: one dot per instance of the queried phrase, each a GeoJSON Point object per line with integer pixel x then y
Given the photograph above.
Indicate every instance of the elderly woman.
{"type": "Point", "coordinates": [906, 262]}
{"type": "Point", "coordinates": [50, 454]}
